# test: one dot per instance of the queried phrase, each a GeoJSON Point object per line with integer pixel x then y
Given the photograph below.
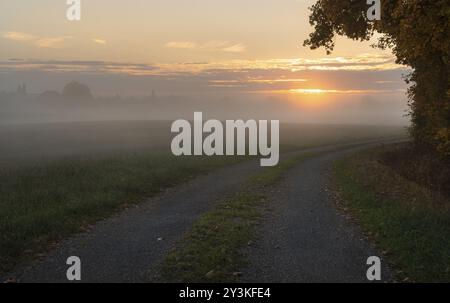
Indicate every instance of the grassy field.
{"type": "Point", "coordinates": [42, 204]}
{"type": "Point", "coordinates": [409, 223]}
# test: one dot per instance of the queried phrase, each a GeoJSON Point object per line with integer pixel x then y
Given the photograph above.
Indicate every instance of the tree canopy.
{"type": "Point", "coordinates": [75, 90]}
{"type": "Point", "coordinates": [417, 32]}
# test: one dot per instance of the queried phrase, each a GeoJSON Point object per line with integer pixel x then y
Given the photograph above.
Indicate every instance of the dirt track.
{"type": "Point", "coordinates": [306, 240]}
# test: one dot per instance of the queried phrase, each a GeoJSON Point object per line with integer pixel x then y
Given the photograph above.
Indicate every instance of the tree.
{"type": "Point", "coordinates": [75, 90]}
{"type": "Point", "coordinates": [417, 33]}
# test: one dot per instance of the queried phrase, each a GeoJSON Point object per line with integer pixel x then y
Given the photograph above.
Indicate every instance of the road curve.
{"type": "Point", "coordinates": [130, 246]}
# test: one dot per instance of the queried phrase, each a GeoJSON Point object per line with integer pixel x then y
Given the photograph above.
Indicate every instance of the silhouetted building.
{"type": "Point", "coordinates": [22, 89]}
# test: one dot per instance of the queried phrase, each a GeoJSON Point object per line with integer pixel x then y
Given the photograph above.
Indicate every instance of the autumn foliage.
{"type": "Point", "coordinates": [417, 32]}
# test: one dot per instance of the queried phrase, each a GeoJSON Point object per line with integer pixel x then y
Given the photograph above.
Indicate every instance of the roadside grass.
{"type": "Point", "coordinates": [212, 250]}
{"type": "Point", "coordinates": [43, 204]}
{"type": "Point", "coordinates": [408, 222]}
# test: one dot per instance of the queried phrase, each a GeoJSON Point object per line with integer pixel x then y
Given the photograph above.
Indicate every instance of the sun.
{"type": "Point", "coordinates": [308, 91]}
{"type": "Point", "coordinates": [312, 98]}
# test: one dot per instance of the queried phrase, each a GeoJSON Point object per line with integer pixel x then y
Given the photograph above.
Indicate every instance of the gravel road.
{"type": "Point", "coordinates": [306, 240]}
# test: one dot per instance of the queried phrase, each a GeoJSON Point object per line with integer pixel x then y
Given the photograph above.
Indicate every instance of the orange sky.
{"type": "Point", "coordinates": [186, 47]}
{"type": "Point", "coordinates": [163, 31]}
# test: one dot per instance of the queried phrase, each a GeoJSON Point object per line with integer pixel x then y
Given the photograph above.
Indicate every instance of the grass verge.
{"type": "Point", "coordinates": [43, 204]}
{"type": "Point", "coordinates": [410, 223]}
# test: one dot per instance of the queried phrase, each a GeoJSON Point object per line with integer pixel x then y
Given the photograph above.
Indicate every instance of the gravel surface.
{"type": "Point", "coordinates": [306, 238]}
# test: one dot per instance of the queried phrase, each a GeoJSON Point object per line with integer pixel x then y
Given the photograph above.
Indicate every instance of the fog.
{"type": "Point", "coordinates": [50, 125]}
{"type": "Point", "coordinates": [77, 102]}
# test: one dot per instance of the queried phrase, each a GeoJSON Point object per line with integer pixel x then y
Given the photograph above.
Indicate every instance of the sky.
{"type": "Point", "coordinates": [188, 47]}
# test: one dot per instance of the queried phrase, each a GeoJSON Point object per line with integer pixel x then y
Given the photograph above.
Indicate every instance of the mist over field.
{"type": "Point", "coordinates": [55, 106]}
{"type": "Point", "coordinates": [41, 143]}
{"type": "Point", "coordinates": [50, 125]}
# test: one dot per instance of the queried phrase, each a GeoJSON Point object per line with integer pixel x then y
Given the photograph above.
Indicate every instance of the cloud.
{"type": "Point", "coordinates": [181, 44]}
{"type": "Point", "coordinates": [87, 67]}
{"type": "Point", "coordinates": [19, 36]}
{"type": "Point", "coordinates": [385, 82]}
{"type": "Point", "coordinates": [41, 42]}
{"type": "Point", "coordinates": [222, 46]}
{"type": "Point", "coordinates": [251, 71]}
{"type": "Point", "coordinates": [56, 43]}
{"type": "Point", "coordinates": [359, 62]}
{"type": "Point", "coordinates": [210, 46]}
{"type": "Point", "coordinates": [314, 91]}
{"type": "Point", "coordinates": [99, 41]}
{"type": "Point", "coordinates": [288, 76]}
{"type": "Point", "coordinates": [236, 48]}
